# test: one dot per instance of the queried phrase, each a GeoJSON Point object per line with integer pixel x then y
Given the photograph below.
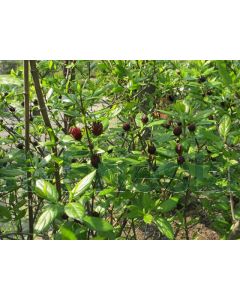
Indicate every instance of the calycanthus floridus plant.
{"type": "Point", "coordinates": [120, 150]}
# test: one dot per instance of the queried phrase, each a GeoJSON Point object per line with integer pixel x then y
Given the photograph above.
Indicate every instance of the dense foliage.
{"type": "Point", "coordinates": [118, 148]}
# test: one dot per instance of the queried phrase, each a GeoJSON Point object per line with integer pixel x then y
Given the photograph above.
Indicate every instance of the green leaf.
{"type": "Point", "coordinates": [168, 204]}
{"type": "Point", "coordinates": [5, 214]}
{"type": "Point", "coordinates": [224, 126]}
{"type": "Point", "coordinates": [11, 173]}
{"type": "Point", "coordinates": [46, 218]}
{"type": "Point", "coordinates": [46, 190]}
{"type": "Point", "coordinates": [167, 169]}
{"type": "Point", "coordinates": [222, 69]}
{"type": "Point", "coordinates": [115, 110]}
{"type": "Point", "coordinates": [134, 212]}
{"type": "Point", "coordinates": [198, 171]}
{"type": "Point", "coordinates": [45, 160]}
{"type": "Point", "coordinates": [75, 211]}
{"type": "Point", "coordinates": [180, 107]}
{"type": "Point", "coordinates": [97, 224]}
{"type": "Point", "coordinates": [83, 185]}
{"type": "Point", "coordinates": [49, 93]}
{"type": "Point", "coordinates": [67, 233]}
{"type": "Point", "coordinates": [108, 192]}
{"type": "Point", "coordinates": [50, 64]}
{"type": "Point", "coordinates": [237, 214]}
{"type": "Point", "coordinates": [156, 123]}
{"type": "Point", "coordinates": [52, 137]}
{"type": "Point", "coordinates": [165, 228]}
{"type": "Point", "coordinates": [20, 214]}
{"type": "Point", "coordinates": [148, 218]}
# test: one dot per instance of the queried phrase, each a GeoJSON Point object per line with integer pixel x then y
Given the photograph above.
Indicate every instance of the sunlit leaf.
{"type": "Point", "coordinates": [165, 228]}
{"type": "Point", "coordinates": [46, 190]}
{"type": "Point", "coordinates": [148, 218]}
{"type": "Point", "coordinates": [225, 126]}
{"type": "Point", "coordinates": [83, 185]}
{"type": "Point", "coordinates": [75, 211]}
{"type": "Point", "coordinates": [46, 218]}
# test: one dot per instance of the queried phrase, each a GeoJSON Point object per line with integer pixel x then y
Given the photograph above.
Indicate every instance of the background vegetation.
{"type": "Point", "coordinates": [119, 150]}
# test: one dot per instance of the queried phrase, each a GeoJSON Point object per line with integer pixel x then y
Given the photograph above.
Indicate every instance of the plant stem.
{"type": "Point", "coordinates": [231, 196]}
{"type": "Point", "coordinates": [85, 125]}
{"type": "Point", "coordinates": [134, 230]}
{"type": "Point", "coordinates": [43, 109]}
{"type": "Point", "coordinates": [27, 146]}
{"type": "Point", "coordinates": [185, 210]}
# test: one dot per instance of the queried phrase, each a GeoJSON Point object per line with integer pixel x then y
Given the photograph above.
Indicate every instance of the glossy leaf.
{"type": "Point", "coordinates": [83, 185]}
{"type": "Point", "coordinates": [46, 218]}
{"type": "Point", "coordinates": [165, 228]}
{"type": "Point", "coordinates": [75, 211]}
{"type": "Point", "coordinates": [46, 190]}
{"type": "Point", "coordinates": [225, 126]}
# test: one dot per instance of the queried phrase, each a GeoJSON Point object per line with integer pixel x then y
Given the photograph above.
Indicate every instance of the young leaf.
{"type": "Point", "coordinates": [224, 126]}
{"type": "Point", "coordinates": [165, 228]}
{"type": "Point", "coordinates": [46, 218]}
{"type": "Point", "coordinates": [148, 218]}
{"type": "Point", "coordinates": [75, 211]}
{"type": "Point", "coordinates": [46, 190]}
{"type": "Point", "coordinates": [83, 185]}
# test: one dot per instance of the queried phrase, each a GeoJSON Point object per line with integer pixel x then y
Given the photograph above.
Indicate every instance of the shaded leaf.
{"type": "Point", "coordinates": [5, 214]}
{"type": "Point", "coordinates": [198, 171]}
{"type": "Point", "coordinates": [67, 233]}
{"type": "Point", "coordinates": [11, 172]}
{"type": "Point", "coordinates": [168, 204]}
{"type": "Point", "coordinates": [97, 224]}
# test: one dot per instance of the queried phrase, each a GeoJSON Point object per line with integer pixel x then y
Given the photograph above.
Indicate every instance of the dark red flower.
{"type": "Point", "coordinates": [126, 126]}
{"type": "Point", "coordinates": [95, 160]}
{"type": "Point", "coordinates": [179, 149]}
{"type": "Point", "coordinates": [144, 119]}
{"type": "Point", "coordinates": [180, 160]}
{"type": "Point", "coordinates": [177, 130]}
{"type": "Point", "coordinates": [192, 127]}
{"type": "Point", "coordinates": [97, 128]}
{"type": "Point", "coordinates": [76, 133]}
{"type": "Point", "coordinates": [151, 149]}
